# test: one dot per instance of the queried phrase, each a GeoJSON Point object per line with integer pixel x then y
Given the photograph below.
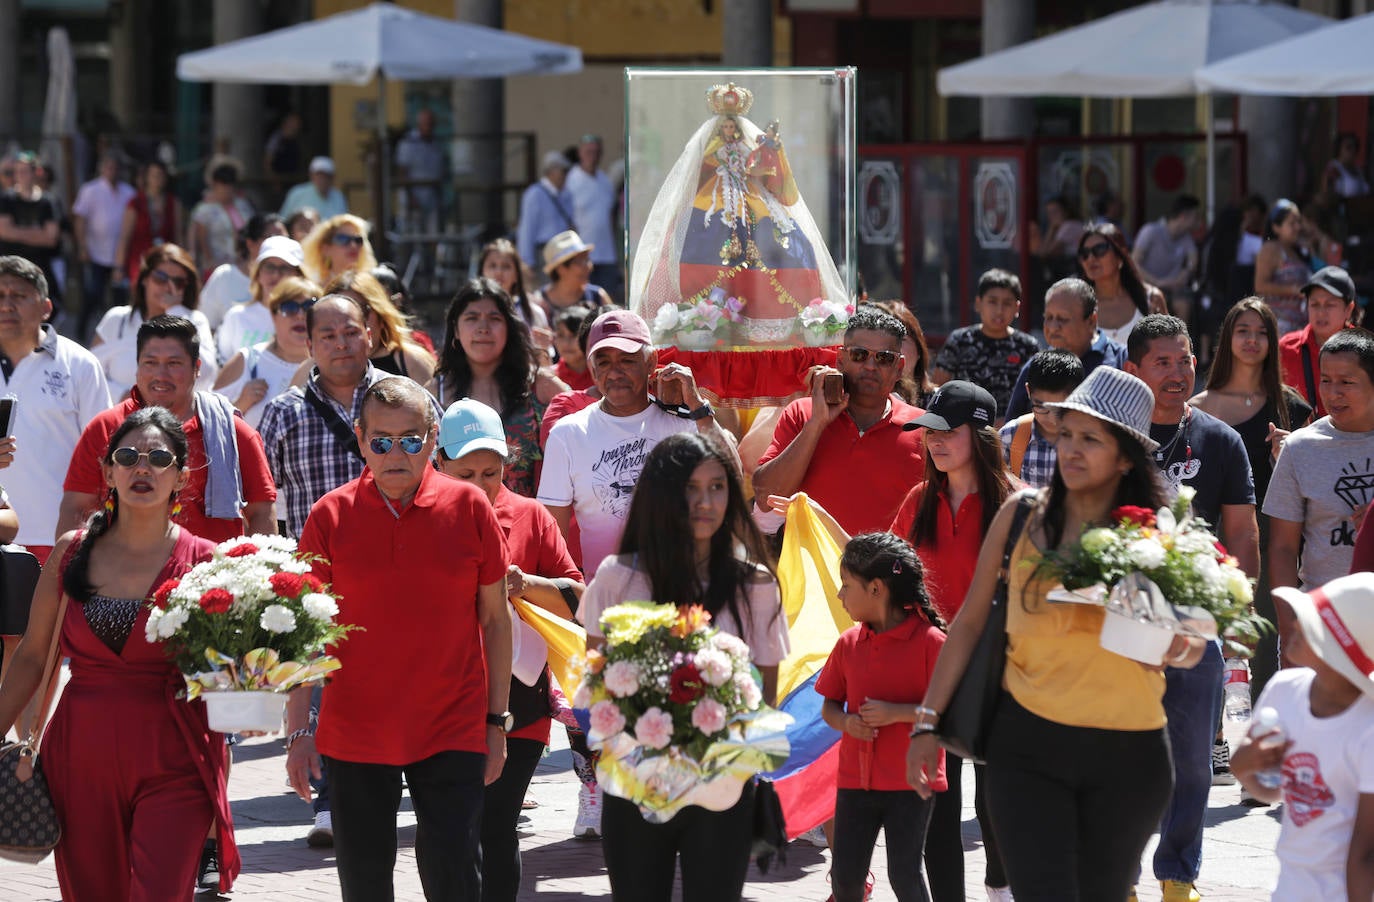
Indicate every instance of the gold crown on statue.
{"type": "Point", "coordinates": [729, 100]}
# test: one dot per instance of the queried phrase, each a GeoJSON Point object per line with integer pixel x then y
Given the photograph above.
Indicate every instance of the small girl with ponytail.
{"type": "Point", "coordinates": [873, 683]}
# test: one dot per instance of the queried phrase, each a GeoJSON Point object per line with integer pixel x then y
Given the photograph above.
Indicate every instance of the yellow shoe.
{"type": "Point", "coordinates": [1178, 891]}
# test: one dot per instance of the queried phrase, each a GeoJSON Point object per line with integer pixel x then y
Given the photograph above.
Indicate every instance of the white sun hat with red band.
{"type": "Point", "coordinates": [1338, 622]}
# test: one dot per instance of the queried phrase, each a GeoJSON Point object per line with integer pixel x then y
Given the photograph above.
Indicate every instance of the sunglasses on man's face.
{"type": "Point", "coordinates": [291, 308]}
{"type": "Point", "coordinates": [1094, 250]}
{"type": "Point", "coordinates": [342, 240]}
{"type": "Point", "coordinates": [164, 278]}
{"type": "Point", "coordinates": [882, 358]}
{"type": "Point", "coordinates": [158, 458]}
{"type": "Point", "coordinates": [410, 444]}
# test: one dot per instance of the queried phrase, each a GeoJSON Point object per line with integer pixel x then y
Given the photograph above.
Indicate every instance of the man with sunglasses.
{"type": "Point", "coordinates": [61, 387]}
{"type": "Point", "coordinates": [854, 458]}
{"type": "Point", "coordinates": [1070, 325]}
{"type": "Point", "coordinates": [229, 490]}
{"type": "Point", "coordinates": [419, 562]}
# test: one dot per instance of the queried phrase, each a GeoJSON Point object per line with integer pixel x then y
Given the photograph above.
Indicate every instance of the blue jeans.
{"type": "Point", "coordinates": [1192, 702]}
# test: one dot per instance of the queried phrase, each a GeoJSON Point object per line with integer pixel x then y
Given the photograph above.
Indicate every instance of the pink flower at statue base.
{"type": "Point", "coordinates": [606, 719]}
{"type": "Point", "coordinates": [709, 716]}
{"type": "Point", "coordinates": [654, 729]}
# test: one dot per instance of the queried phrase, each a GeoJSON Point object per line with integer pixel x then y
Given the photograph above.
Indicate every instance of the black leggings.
{"type": "Point", "coordinates": [903, 816]}
{"type": "Point", "coordinates": [500, 815]}
{"type": "Point", "coordinates": [1073, 807]}
{"type": "Point", "coordinates": [944, 853]}
{"type": "Point", "coordinates": [641, 857]}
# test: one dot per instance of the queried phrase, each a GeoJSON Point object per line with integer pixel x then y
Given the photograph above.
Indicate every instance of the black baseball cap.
{"type": "Point", "coordinates": [1333, 279]}
{"type": "Point", "coordinates": [956, 403]}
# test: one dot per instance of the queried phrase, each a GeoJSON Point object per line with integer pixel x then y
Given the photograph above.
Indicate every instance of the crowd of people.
{"type": "Point", "coordinates": [260, 373]}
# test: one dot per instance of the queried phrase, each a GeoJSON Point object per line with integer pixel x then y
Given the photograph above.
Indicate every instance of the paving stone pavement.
{"type": "Point", "coordinates": [1238, 858]}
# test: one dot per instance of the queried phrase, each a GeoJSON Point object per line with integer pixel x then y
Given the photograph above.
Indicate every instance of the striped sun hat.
{"type": "Point", "coordinates": [1116, 397]}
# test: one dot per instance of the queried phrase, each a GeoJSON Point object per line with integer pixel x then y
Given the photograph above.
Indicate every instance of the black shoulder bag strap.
{"type": "Point", "coordinates": [562, 211]}
{"type": "Point", "coordinates": [1307, 373]}
{"type": "Point", "coordinates": [336, 423]}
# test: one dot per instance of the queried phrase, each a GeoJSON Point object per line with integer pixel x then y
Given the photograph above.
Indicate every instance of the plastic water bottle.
{"type": "Point", "coordinates": [1267, 721]}
{"type": "Point", "coordinates": [1237, 689]}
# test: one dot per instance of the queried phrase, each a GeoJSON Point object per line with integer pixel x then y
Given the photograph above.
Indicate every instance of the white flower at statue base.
{"type": "Point", "coordinates": [715, 666]}
{"type": "Point", "coordinates": [1238, 585]}
{"type": "Point", "coordinates": [1146, 553]}
{"type": "Point", "coordinates": [278, 618]}
{"type": "Point", "coordinates": [667, 318]}
{"type": "Point", "coordinates": [1095, 541]}
{"type": "Point", "coordinates": [320, 606]}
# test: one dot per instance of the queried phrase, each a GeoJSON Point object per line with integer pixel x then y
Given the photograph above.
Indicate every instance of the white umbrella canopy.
{"type": "Point", "coordinates": [354, 47]}
{"type": "Point", "coordinates": [1153, 50]}
{"type": "Point", "coordinates": [1329, 62]}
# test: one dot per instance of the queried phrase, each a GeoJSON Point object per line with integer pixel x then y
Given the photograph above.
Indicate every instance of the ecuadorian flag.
{"type": "Point", "coordinates": [809, 573]}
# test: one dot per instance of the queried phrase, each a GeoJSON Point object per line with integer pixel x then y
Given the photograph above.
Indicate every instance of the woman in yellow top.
{"type": "Point", "coordinates": [1078, 740]}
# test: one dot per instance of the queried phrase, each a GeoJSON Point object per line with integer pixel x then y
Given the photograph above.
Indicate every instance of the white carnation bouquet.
{"type": "Point", "coordinates": [676, 710]}
{"type": "Point", "coordinates": [253, 617]}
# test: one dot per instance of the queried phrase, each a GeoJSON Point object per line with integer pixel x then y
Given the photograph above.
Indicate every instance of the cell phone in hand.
{"type": "Point", "coordinates": [9, 404]}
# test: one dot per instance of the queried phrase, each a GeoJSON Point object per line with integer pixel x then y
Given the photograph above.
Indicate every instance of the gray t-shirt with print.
{"type": "Point", "coordinates": [1321, 479]}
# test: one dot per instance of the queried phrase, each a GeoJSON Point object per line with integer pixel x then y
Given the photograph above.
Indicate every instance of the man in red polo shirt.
{"type": "Point", "coordinates": [419, 562]}
{"type": "Point", "coordinates": [223, 497]}
{"type": "Point", "coordinates": [852, 458]}
{"type": "Point", "coordinates": [1330, 295]}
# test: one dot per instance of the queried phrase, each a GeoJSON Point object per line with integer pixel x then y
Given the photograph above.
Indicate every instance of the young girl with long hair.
{"type": "Point", "coordinates": [1073, 717]}
{"type": "Point", "coordinates": [689, 539]}
{"type": "Point", "coordinates": [133, 825]}
{"type": "Point", "coordinates": [945, 518]}
{"type": "Point", "coordinates": [872, 683]}
{"type": "Point", "coordinates": [1283, 264]}
{"type": "Point", "coordinates": [487, 356]}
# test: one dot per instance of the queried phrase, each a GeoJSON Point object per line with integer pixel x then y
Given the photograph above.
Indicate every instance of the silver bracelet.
{"type": "Point", "coordinates": [297, 734]}
{"type": "Point", "coordinates": [920, 728]}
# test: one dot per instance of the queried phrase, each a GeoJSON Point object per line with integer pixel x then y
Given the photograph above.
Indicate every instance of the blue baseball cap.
{"type": "Point", "coordinates": [469, 426]}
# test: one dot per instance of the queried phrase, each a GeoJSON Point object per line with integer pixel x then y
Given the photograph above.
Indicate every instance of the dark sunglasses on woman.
{"type": "Point", "coordinates": [410, 444]}
{"type": "Point", "coordinates": [342, 240]}
{"type": "Point", "coordinates": [291, 308]}
{"type": "Point", "coordinates": [163, 278]}
{"type": "Point", "coordinates": [158, 458]}
{"type": "Point", "coordinates": [882, 358]}
{"type": "Point", "coordinates": [1094, 250]}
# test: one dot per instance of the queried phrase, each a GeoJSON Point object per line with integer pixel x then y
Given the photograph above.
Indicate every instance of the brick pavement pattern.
{"type": "Point", "coordinates": [1238, 858]}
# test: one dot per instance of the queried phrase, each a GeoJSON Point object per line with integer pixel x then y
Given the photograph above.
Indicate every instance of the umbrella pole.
{"type": "Point", "coordinates": [384, 154]}
{"type": "Point", "coordinates": [1211, 159]}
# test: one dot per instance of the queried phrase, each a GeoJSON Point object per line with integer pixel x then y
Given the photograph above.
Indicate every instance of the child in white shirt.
{"type": "Point", "coordinates": [1325, 707]}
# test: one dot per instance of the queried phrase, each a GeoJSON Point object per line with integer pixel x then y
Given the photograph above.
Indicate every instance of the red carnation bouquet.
{"type": "Point", "coordinates": [253, 618]}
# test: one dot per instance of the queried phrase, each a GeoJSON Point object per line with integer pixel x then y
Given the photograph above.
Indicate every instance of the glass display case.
{"type": "Point", "coordinates": [738, 209]}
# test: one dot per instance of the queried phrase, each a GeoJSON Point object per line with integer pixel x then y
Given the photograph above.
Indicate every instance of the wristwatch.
{"type": "Point", "coordinates": [701, 413]}
{"type": "Point", "coordinates": [505, 721]}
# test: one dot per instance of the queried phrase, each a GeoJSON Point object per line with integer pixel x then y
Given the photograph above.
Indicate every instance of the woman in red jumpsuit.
{"type": "Point", "coordinates": [136, 774]}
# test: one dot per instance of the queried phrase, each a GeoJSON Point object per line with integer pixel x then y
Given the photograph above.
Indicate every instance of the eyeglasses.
{"type": "Point", "coordinates": [158, 458]}
{"type": "Point", "coordinates": [277, 269]}
{"type": "Point", "coordinates": [1094, 250]}
{"type": "Point", "coordinates": [342, 240]}
{"type": "Point", "coordinates": [410, 444]}
{"type": "Point", "coordinates": [882, 358]}
{"type": "Point", "coordinates": [291, 308]}
{"type": "Point", "coordinates": [163, 278]}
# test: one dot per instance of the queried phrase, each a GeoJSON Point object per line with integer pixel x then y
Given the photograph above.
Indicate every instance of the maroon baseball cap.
{"type": "Point", "coordinates": [619, 329]}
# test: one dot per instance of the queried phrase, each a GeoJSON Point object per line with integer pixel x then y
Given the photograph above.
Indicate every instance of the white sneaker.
{"type": "Point", "coordinates": [815, 836]}
{"type": "Point", "coordinates": [999, 893]}
{"type": "Point", "coordinates": [588, 824]}
{"type": "Point", "coordinates": [321, 836]}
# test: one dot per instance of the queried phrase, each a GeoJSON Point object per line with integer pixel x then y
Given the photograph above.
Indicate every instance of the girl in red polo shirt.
{"type": "Point", "coordinates": [874, 680]}
{"type": "Point", "coordinates": [945, 519]}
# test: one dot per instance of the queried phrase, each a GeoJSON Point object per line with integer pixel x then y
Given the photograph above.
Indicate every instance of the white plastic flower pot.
{"type": "Point", "coordinates": [1139, 640]}
{"type": "Point", "coordinates": [816, 337]}
{"type": "Point", "coordinates": [241, 712]}
{"type": "Point", "coordinates": [696, 340]}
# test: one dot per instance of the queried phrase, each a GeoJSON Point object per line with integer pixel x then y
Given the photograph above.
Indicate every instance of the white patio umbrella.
{"type": "Point", "coordinates": [1152, 50]}
{"type": "Point", "coordinates": [379, 41]}
{"type": "Point", "coordinates": [57, 145]}
{"type": "Point", "coordinates": [1332, 61]}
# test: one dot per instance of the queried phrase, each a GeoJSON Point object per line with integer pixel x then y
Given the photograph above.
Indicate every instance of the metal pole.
{"type": "Point", "coordinates": [1211, 159]}
{"type": "Point", "coordinates": [384, 155]}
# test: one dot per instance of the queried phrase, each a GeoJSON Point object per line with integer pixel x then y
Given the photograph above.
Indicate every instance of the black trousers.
{"type": "Point", "coordinates": [903, 817]}
{"type": "Point", "coordinates": [1073, 807]}
{"type": "Point", "coordinates": [641, 857]}
{"type": "Point", "coordinates": [500, 815]}
{"type": "Point", "coordinates": [944, 852]}
{"type": "Point", "coordinates": [446, 791]}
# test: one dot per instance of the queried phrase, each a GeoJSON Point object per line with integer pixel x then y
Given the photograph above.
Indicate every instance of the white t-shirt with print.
{"type": "Point", "coordinates": [244, 326]}
{"type": "Point", "coordinates": [1330, 763]}
{"type": "Point", "coordinates": [260, 363]}
{"type": "Point", "coordinates": [592, 462]}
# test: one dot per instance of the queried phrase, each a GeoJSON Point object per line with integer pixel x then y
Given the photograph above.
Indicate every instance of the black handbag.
{"type": "Point", "coordinates": [29, 830]}
{"type": "Point", "coordinates": [770, 833]}
{"type": "Point", "coordinates": [964, 726]}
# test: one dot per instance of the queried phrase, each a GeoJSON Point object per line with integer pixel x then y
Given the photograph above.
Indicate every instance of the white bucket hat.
{"type": "Point", "coordinates": [1337, 620]}
{"type": "Point", "coordinates": [1116, 397]}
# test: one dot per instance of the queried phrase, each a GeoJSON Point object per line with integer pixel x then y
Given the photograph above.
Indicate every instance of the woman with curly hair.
{"type": "Point", "coordinates": [335, 246]}
{"type": "Point", "coordinates": [487, 356]}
